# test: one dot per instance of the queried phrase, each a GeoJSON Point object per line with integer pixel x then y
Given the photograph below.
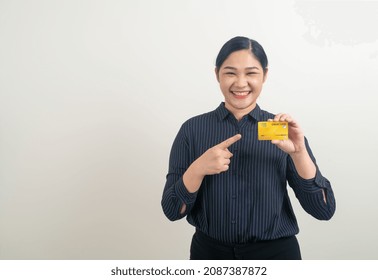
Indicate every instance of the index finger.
{"type": "Point", "coordinates": [282, 117]}
{"type": "Point", "coordinates": [228, 142]}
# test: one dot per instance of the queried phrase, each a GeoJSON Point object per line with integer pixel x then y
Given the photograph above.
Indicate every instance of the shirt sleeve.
{"type": "Point", "coordinates": [310, 191]}
{"type": "Point", "coordinates": [175, 194]}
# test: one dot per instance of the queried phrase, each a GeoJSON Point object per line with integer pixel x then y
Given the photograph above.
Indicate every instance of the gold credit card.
{"type": "Point", "coordinates": [273, 130]}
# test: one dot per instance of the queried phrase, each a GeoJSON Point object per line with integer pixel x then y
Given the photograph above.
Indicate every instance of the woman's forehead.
{"type": "Point", "coordinates": [241, 59]}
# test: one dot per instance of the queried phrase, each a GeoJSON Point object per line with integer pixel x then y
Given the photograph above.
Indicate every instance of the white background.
{"type": "Point", "coordinates": [92, 94]}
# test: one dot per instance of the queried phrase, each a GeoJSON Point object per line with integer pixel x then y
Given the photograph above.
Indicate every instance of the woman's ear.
{"type": "Point", "coordinates": [265, 74]}
{"type": "Point", "coordinates": [217, 73]}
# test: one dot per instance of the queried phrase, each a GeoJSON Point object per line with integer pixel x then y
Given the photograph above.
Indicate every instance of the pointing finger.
{"type": "Point", "coordinates": [228, 142]}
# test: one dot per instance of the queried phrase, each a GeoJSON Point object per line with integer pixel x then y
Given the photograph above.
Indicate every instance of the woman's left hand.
{"type": "Point", "coordinates": [295, 144]}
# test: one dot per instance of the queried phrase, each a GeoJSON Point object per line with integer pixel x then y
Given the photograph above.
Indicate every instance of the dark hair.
{"type": "Point", "coordinates": [242, 43]}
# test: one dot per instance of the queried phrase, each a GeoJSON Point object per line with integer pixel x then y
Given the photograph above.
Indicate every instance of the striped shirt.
{"type": "Point", "coordinates": [250, 201]}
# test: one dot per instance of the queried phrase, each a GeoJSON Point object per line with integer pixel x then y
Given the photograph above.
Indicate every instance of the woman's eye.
{"type": "Point", "coordinates": [251, 73]}
{"type": "Point", "coordinates": [230, 73]}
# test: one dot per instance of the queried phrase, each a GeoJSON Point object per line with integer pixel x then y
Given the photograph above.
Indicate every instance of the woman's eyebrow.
{"type": "Point", "coordinates": [247, 68]}
{"type": "Point", "coordinates": [230, 67]}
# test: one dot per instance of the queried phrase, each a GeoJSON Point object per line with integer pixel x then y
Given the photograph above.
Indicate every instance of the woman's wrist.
{"type": "Point", "coordinates": [193, 177]}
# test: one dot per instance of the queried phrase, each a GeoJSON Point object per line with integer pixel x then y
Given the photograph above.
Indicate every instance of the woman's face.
{"type": "Point", "coordinates": [241, 78]}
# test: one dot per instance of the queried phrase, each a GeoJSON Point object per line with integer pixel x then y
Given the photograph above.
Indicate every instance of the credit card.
{"type": "Point", "coordinates": [273, 130]}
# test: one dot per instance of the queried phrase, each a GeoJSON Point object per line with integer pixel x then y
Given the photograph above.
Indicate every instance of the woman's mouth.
{"type": "Point", "coordinates": [240, 94]}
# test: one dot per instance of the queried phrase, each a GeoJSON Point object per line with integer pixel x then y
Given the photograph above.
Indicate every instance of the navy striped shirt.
{"type": "Point", "coordinates": [250, 201]}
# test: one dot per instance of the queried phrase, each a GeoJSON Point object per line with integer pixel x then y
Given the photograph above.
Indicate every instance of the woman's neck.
{"type": "Point", "coordinates": [240, 113]}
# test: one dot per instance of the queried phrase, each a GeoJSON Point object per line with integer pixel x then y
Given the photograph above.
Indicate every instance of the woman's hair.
{"type": "Point", "coordinates": [242, 43]}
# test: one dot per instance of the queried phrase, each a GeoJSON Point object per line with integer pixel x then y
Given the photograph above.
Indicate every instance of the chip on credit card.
{"type": "Point", "coordinates": [273, 130]}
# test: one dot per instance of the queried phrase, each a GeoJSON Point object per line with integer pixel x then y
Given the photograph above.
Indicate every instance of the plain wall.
{"type": "Point", "coordinates": [92, 94]}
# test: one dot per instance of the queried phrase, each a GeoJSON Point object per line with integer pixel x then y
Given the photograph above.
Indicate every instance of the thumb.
{"type": "Point", "coordinates": [278, 143]}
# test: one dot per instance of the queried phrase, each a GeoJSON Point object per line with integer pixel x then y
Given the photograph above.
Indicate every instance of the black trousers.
{"type": "Point", "coordinates": [204, 247]}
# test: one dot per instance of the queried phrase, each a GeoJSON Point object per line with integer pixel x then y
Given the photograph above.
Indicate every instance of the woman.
{"type": "Point", "coordinates": [232, 187]}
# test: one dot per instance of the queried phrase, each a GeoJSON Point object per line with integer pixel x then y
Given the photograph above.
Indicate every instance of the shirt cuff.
{"type": "Point", "coordinates": [315, 184]}
{"type": "Point", "coordinates": [183, 194]}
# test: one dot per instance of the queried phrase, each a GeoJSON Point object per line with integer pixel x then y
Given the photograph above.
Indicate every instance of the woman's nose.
{"type": "Point", "coordinates": [241, 81]}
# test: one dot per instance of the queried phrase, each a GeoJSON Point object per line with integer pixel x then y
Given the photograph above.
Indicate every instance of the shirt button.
{"type": "Point", "coordinates": [233, 222]}
{"type": "Point", "coordinates": [233, 196]}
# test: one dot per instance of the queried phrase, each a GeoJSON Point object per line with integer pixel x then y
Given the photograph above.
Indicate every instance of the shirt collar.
{"type": "Point", "coordinates": [223, 113]}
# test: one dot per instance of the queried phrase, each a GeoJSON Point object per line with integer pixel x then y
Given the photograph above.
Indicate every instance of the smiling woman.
{"type": "Point", "coordinates": [232, 187]}
{"type": "Point", "coordinates": [241, 77]}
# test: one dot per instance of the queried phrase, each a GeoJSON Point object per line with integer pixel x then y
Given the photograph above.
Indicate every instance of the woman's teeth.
{"type": "Point", "coordinates": [240, 93]}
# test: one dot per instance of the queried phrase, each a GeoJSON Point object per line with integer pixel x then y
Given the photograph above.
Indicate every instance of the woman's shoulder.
{"type": "Point", "coordinates": [201, 119]}
{"type": "Point", "coordinates": [266, 114]}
